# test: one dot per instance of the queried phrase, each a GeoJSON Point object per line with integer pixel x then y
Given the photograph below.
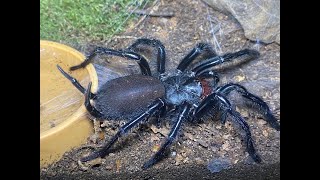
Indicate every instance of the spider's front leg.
{"type": "Point", "coordinates": [216, 60]}
{"type": "Point", "coordinates": [76, 83]}
{"type": "Point", "coordinates": [193, 54]}
{"type": "Point", "coordinates": [155, 106]}
{"type": "Point", "coordinates": [142, 62]}
{"type": "Point", "coordinates": [223, 103]}
{"type": "Point", "coordinates": [91, 109]}
{"type": "Point", "coordinates": [161, 55]}
{"type": "Point", "coordinates": [262, 107]}
{"type": "Point", "coordinates": [183, 115]}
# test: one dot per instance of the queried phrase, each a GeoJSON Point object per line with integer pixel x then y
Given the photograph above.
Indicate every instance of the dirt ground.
{"type": "Point", "coordinates": [199, 144]}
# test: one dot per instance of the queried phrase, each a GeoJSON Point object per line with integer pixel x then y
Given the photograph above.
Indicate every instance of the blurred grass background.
{"type": "Point", "coordinates": [78, 21]}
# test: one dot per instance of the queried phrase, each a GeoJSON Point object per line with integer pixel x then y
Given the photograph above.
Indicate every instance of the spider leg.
{"type": "Point", "coordinates": [209, 74]}
{"type": "Point", "coordinates": [161, 56]}
{"type": "Point", "coordinates": [161, 113]}
{"type": "Point", "coordinates": [142, 62]}
{"type": "Point", "coordinates": [249, 142]}
{"type": "Point", "coordinates": [209, 103]}
{"type": "Point", "coordinates": [184, 112]}
{"type": "Point", "coordinates": [91, 109]}
{"type": "Point", "coordinates": [75, 83]}
{"type": "Point", "coordinates": [216, 60]}
{"type": "Point", "coordinates": [193, 54]}
{"type": "Point", "coordinates": [204, 75]}
{"type": "Point", "coordinates": [262, 106]}
{"type": "Point", "coordinates": [156, 105]}
{"type": "Point", "coordinates": [218, 99]}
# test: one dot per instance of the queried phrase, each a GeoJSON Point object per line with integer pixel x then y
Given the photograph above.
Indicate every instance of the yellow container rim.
{"type": "Point", "coordinates": [73, 120]}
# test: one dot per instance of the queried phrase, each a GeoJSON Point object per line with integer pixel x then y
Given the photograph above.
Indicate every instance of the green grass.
{"type": "Point", "coordinates": [83, 20]}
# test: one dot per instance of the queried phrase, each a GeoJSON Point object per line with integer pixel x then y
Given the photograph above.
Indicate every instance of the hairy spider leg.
{"type": "Point", "coordinates": [244, 125]}
{"type": "Point", "coordinates": [209, 74]}
{"type": "Point", "coordinates": [193, 54]}
{"type": "Point", "coordinates": [75, 83]}
{"type": "Point", "coordinates": [161, 55]}
{"type": "Point", "coordinates": [159, 115]}
{"type": "Point", "coordinates": [92, 110]}
{"type": "Point", "coordinates": [155, 106]}
{"type": "Point", "coordinates": [204, 75]}
{"type": "Point", "coordinates": [142, 62]}
{"type": "Point", "coordinates": [216, 99]}
{"type": "Point", "coordinates": [213, 61]}
{"type": "Point", "coordinates": [184, 112]}
{"type": "Point", "coordinates": [263, 108]}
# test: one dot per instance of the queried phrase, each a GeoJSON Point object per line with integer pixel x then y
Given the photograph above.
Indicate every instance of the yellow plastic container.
{"type": "Point", "coordinates": [63, 118]}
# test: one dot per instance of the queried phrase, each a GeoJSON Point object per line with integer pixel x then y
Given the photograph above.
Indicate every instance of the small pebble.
{"type": "Point", "coordinates": [239, 78]}
{"type": "Point", "coordinates": [163, 131]}
{"type": "Point", "coordinates": [108, 167]}
{"type": "Point", "coordinates": [199, 160]}
{"type": "Point", "coordinates": [227, 136]}
{"type": "Point", "coordinates": [118, 165]}
{"type": "Point", "coordinates": [202, 143]}
{"type": "Point", "coordinates": [189, 136]}
{"type": "Point", "coordinates": [265, 133]}
{"type": "Point", "coordinates": [173, 154]}
{"type": "Point", "coordinates": [225, 146]}
{"type": "Point", "coordinates": [156, 148]}
{"type": "Point", "coordinates": [219, 164]}
{"type": "Point", "coordinates": [261, 122]}
{"type": "Point", "coordinates": [185, 160]}
{"type": "Point", "coordinates": [154, 137]}
{"type": "Point", "coordinates": [178, 159]}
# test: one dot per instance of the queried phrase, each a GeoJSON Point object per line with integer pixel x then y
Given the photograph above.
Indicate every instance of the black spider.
{"type": "Point", "coordinates": [185, 94]}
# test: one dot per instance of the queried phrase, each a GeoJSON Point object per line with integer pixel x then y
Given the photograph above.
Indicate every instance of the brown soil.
{"type": "Point", "coordinates": [198, 144]}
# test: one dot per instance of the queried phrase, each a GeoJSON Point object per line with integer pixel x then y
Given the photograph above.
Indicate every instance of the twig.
{"type": "Point", "coordinates": [144, 16]}
{"type": "Point", "coordinates": [139, 22]}
{"type": "Point", "coordinates": [123, 37]}
{"type": "Point", "coordinates": [159, 14]}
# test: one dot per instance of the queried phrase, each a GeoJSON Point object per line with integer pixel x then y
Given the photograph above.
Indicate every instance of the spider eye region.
{"type": "Point", "coordinates": [177, 92]}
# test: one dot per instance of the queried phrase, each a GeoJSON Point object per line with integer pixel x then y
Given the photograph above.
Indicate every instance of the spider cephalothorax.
{"type": "Point", "coordinates": [187, 93]}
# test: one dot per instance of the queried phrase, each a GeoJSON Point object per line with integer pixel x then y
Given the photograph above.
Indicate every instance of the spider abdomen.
{"type": "Point", "coordinates": [128, 96]}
